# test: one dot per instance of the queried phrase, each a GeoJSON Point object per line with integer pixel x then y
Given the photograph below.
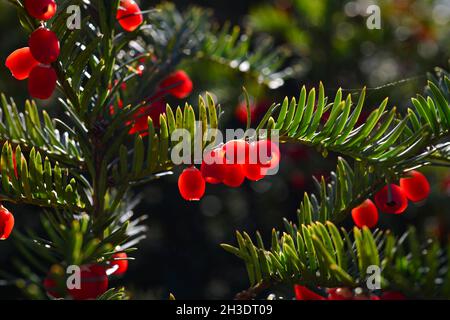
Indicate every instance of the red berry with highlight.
{"type": "Point", "coordinates": [268, 154]}
{"type": "Point", "coordinates": [303, 293]}
{"type": "Point", "coordinates": [44, 45]}
{"type": "Point", "coordinates": [121, 264]}
{"type": "Point", "coordinates": [41, 9]}
{"type": "Point", "coordinates": [234, 175]}
{"type": "Point", "coordinates": [415, 186]}
{"type": "Point", "coordinates": [212, 168]}
{"type": "Point", "coordinates": [6, 223]}
{"type": "Point", "coordinates": [20, 63]}
{"type": "Point", "coordinates": [340, 294]}
{"type": "Point", "coordinates": [254, 170]}
{"type": "Point", "coordinates": [365, 215]}
{"type": "Point", "coordinates": [396, 203]}
{"type": "Point", "coordinates": [236, 151]}
{"type": "Point", "coordinates": [191, 184]}
{"type": "Point", "coordinates": [42, 82]}
{"type": "Point", "coordinates": [129, 15]}
{"type": "Point", "coordinates": [93, 283]}
{"type": "Point", "coordinates": [177, 84]}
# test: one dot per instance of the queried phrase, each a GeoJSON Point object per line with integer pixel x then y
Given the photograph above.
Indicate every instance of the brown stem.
{"type": "Point", "coordinates": [252, 292]}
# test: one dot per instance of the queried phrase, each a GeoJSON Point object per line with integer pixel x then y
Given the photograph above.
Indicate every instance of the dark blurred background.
{"type": "Point", "coordinates": [329, 42]}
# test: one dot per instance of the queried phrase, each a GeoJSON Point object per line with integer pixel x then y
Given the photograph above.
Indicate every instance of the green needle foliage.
{"type": "Point", "coordinates": [322, 255]}
{"type": "Point", "coordinates": [313, 251]}
{"type": "Point", "coordinates": [34, 128]}
{"type": "Point", "coordinates": [386, 137]}
{"type": "Point", "coordinates": [81, 167]}
{"type": "Point", "coordinates": [36, 180]}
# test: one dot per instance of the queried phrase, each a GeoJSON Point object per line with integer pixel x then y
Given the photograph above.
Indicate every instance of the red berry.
{"type": "Point", "coordinates": [6, 223]}
{"type": "Point", "coordinates": [177, 84]}
{"type": "Point", "coordinates": [191, 184]}
{"type": "Point", "coordinates": [335, 297]}
{"type": "Point", "coordinates": [120, 103]}
{"type": "Point", "coordinates": [397, 203]}
{"type": "Point", "coordinates": [340, 294]}
{"type": "Point", "coordinates": [254, 172]}
{"type": "Point", "coordinates": [50, 288]}
{"type": "Point", "coordinates": [20, 63]}
{"type": "Point", "coordinates": [303, 293]}
{"type": "Point", "coordinates": [55, 282]}
{"type": "Point", "coordinates": [415, 186]}
{"type": "Point", "coordinates": [50, 285]}
{"type": "Point", "coordinates": [241, 112]}
{"type": "Point", "coordinates": [392, 295]}
{"type": "Point", "coordinates": [236, 151]}
{"type": "Point", "coordinates": [234, 175]}
{"type": "Point", "coordinates": [41, 9]}
{"type": "Point", "coordinates": [366, 214]}
{"type": "Point", "coordinates": [44, 45]}
{"type": "Point", "coordinates": [122, 264]}
{"type": "Point", "coordinates": [212, 168]}
{"type": "Point", "coordinates": [129, 15]}
{"type": "Point", "coordinates": [140, 118]}
{"type": "Point", "coordinates": [42, 82]}
{"type": "Point", "coordinates": [331, 290]}
{"type": "Point", "coordinates": [140, 126]}
{"type": "Point", "coordinates": [237, 154]}
{"type": "Point", "coordinates": [268, 154]}
{"type": "Point", "coordinates": [93, 283]}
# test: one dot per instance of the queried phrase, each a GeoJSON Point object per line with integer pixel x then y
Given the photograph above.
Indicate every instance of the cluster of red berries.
{"type": "Point", "coordinates": [34, 62]}
{"type": "Point", "coordinates": [229, 164]}
{"type": "Point", "coordinates": [129, 15]}
{"type": "Point", "coordinates": [177, 84]}
{"type": "Point", "coordinates": [93, 279]}
{"type": "Point", "coordinates": [303, 293]}
{"type": "Point", "coordinates": [392, 199]}
{"type": "Point", "coordinates": [6, 223]}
